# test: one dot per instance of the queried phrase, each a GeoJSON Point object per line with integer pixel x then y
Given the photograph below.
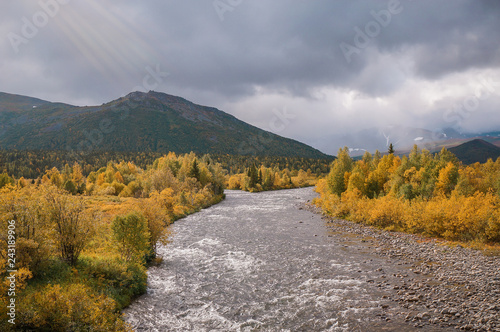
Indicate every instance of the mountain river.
{"type": "Point", "coordinates": [261, 262]}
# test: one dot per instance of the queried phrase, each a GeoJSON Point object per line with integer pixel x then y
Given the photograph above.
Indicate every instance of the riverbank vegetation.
{"type": "Point", "coordinates": [83, 240]}
{"type": "Point", "coordinates": [434, 195]}
{"type": "Point", "coordinates": [267, 178]}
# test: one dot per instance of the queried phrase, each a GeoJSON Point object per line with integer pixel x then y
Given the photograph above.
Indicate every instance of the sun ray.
{"type": "Point", "coordinates": [110, 43]}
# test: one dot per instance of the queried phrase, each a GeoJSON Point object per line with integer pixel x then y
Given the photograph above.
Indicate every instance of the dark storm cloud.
{"type": "Point", "coordinates": [249, 57]}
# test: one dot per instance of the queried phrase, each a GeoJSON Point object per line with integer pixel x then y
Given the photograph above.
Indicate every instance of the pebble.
{"type": "Point", "coordinates": [460, 286]}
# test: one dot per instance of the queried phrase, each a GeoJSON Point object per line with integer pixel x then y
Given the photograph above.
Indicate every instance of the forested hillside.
{"type": "Point", "coordinates": [477, 150]}
{"type": "Point", "coordinates": [151, 122]}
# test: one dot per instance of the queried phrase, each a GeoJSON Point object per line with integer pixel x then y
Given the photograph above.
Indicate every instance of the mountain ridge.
{"type": "Point", "coordinates": [403, 139]}
{"type": "Point", "coordinates": [476, 150]}
{"type": "Point", "coordinates": [139, 121]}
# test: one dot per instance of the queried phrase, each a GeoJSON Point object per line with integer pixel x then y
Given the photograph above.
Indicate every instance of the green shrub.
{"type": "Point", "coordinates": [132, 236]}
{"type": "Point", "coordinates": [120, 280]}
{"type": "Point", "coordinates": [68, 308]}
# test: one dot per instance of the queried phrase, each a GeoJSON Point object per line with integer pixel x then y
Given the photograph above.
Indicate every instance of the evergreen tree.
{"type": "Point", "coordinates": [253, 175]}
{"type": "Point", "coordinates": [194, 172]}
{"type": "Point", "coordinates": [70, 187]}
{"type": "Point", "coordinates": [391, 149]}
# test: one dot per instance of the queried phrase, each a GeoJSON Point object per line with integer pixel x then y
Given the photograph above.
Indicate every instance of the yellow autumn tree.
{"type": "Point", "coordinates": [447, 179]}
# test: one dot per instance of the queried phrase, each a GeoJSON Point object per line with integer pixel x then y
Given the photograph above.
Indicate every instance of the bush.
{"type": "Point", "coordinates": [5, 180]}
{"type": "Point", "coordinates": [68, 308]}
{"type": "Point", "coordinates": [118, 186]}
{"type": "Point", "coordinates": [33, 246]}
{"type": "Point", "coordinates": [132, 236]}
{"type": "Point", "coordinates": [456, 218]}
{"type": "Point", "coordinates": [73, 224]}
{"type": "Point", "coordinates": [119, 280]}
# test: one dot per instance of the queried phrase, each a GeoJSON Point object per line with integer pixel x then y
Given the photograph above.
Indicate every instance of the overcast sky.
{"type": "Point", "coordinates": [324, 68]}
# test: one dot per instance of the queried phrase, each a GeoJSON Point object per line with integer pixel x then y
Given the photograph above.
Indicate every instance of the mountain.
{"type": "Point", "coordinates": [150, 121]}
{"type": "Point", "coordinates": [371, 139]}
{"type": "Point", "coordinates": [403, 139]}
{"type": "Point", "coordinates": [9, 102]}
{"type": "Point", "coordinates": [477, 150]}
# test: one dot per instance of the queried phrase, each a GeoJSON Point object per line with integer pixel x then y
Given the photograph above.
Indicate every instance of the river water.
{"type": "Point", "coordinates": [259, 262]}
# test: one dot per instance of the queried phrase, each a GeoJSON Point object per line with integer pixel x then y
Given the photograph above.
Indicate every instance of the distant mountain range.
{"type": "Point", "coordinates": [150, 121]}
{"type": "Point", "coordinates": [476, 150]}
{"type": "Point", "coordinates": [403, 139]}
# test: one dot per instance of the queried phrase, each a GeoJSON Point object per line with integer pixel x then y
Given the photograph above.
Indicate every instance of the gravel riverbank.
{"type": "Point", "coordinates": [438, 286]}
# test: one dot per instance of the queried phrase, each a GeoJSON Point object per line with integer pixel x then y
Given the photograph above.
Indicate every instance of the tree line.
{"type": "Point", "coordinates": [430, 194]}
{"type": "Point", "coordinates": [255, 179]}
{"type": "Point", "coordinates": [35, 163]}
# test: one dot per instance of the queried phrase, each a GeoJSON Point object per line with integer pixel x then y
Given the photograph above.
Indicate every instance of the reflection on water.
{"type": "Point", "coordinates": [255, 262]}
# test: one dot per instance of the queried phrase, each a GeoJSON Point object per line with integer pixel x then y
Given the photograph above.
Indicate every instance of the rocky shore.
{"type": "Point", "coordinates": [434, 285]}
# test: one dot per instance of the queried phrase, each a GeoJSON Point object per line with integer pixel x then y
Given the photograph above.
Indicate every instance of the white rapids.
{"type": "Point", "coordinates": [256, 262]}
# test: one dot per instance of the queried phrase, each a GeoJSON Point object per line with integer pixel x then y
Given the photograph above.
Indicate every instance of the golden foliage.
{"type": "Point", "coordinates": [266, 178]}
{"type": "Point", "coordinates": [69, 308]}
{"type": "Point", "coordinates": [431, 195]}
{"type": "Point", "coordinates": [67, 215]}
{"type": "Point", "coordinates": [72, 223]}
